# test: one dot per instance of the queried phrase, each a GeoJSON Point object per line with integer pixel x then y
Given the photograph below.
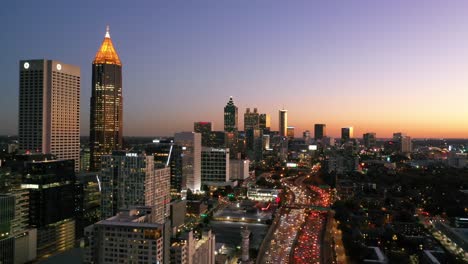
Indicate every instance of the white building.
{"type": "Point", "coordinates": [215, 165]}
{"type": "Point", "coordinates": [191, 159]}
{"type": "Point", "coordinates": [193, 251]}
{"type": "Point", "coordinates": [128, 237]}
{"type": "Point", "coordinates": [49, 109]}
{"type": "Point", "coordinates": [130, 179]}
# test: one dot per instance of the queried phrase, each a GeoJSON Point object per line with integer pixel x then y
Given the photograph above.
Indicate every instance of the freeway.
{"type": "Point", "coordinates": [299, 231]}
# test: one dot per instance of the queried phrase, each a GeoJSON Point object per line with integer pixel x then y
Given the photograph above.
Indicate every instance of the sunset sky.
{"type": "Point", "coordinates": [379, 66]}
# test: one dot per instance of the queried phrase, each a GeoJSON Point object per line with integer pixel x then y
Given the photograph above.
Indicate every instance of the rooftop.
{"type": "Point", "coordinates": [106, 53]}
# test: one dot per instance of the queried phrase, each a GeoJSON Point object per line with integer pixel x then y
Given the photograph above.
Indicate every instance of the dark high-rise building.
{"type": "Point", "coordinates": [49, 109]}
{"type": "Point", "coordinates": [264, 122]}
{"type": "Point", "coordinates": [230, 117]}
{"type": "Point", "coordinates": [370, 140]}
{"type": "Point", "coordinates": [52, 200]}
{"type": "Point", "coordinates": [217, 139]}
{"type": "Point", "coordinates": [251, 119]}
{"type": "Point", "coordinates": [320, 131]}
{"type": "Point", "coordinates": [106, 103]}
{"type": "Point", "coordinates": [347, 133]}
{"type": "Point", "coordinates": [204, 128]}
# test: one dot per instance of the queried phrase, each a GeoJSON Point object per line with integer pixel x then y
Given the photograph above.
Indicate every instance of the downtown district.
{"type": "Point", "coordinates": [233, 196]}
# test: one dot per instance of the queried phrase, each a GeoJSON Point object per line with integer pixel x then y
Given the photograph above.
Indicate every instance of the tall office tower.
{"type": "Point", "coordinates": [370, 140]}
{"type": "Point", "coordinates": [251, 119]}
{"type": "Point", "coordinates": [346, 133]}
{"type": "Point", "coordinates": [51, 186]}
{"type": "Point", "coordinates": [398, 136]}
{"type": "Point", "coordinates": [204, 128]}
{"type": "Point", "coordinates": [191, 159]}
{"type": "Point", "coordinates": [230, 117]}
{"type": "Point", "coordinates": [290, 132]}
{"type": "Point", "coordinates": [264, 122]}
{"type": "Point", "coordinates": [129, 179]}
{"type": "Point", "coordinates": [320, 131]}
{"type": "Point", "coordinates": [253, 144]}
{"type": "Point", "coordinates": [405, 144]}
{"type": "Point", "coordinates": [106, 119]}
{"type": "Point", "coordinates": [88, 201]}
{"type": "Point", "coordinates": [49, 109]}
{"type": "Point", "coordinates": [167, 154]}
{"type": "Point", "coordinates": [214, 166]}
{"type": "Point", "coordinates": [283, 122]}
{"type": "Point", "coordinates": [128, 237]}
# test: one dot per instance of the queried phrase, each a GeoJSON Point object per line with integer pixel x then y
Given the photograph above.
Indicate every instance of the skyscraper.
{"type": "Point", "coordinates": [320, 131]}
{"type": "Point", "coordinates": [49, 109]}
{"type": "Point", "coordinates": [283, 122]}
{"type": "Point", "coordinates": [204, 128]}
{"type": "Point", "coordinates": [230, 117]}
{"type": "Point", "coordinates": [290, 132]}
{"type": "Point", "coordinates": [51, 186]}
{"type": "Point", "coordinates": [404, 141]}
{"type": "Point", "coordinates": [106, 103]}
{"type": "Point", "coordinates": [191, 159]}
{"type": "Point", "coordinates": [370, 139]}
{"type": "Point", "coordinates": [251, 119]}
{"type": "Point", "coordinates": [130, 179]}
{"type": "Point", "coordinates": [346, 133]}
{"type": "Point", "coordinates": [214, 165]}
{"type": "Point", "coordinates": [264, 122]}
{"type": "Point", "coordinates": [231, 128]}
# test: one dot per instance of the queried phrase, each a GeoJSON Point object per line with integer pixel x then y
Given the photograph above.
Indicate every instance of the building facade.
{"type": "Point", "coordinates": [251, 119]}
{"type": "Point", "coordinates": [106, 120]}
{"type": "Point", "coordinates": [283, 122]}
{"type": "Point", "coordinates": [290, 132]}
{"type": "Point", "coordinates": [370, 139]}
{"type": "Point", "coordinates": [51, 187]}
{"type": "Point", "coordinates": [320, 131]}
{"type": "Point", "coordinates": [49, 109]}
{"type": "Point", "coordinates": [205, 129]}
{"type": "Point", "coordinates": [130, 179]}
{"type": "Point", "coordinates": [189, 250]}
{"type": "Point", "coordinates": [230, 117]}
{"type": "Point", "coordinates": [347, 133]}
{"type": "Point", "coordinates": [215, 165]}
{"type": "Point", "coordinates": [264, 122]}
{"type": "Point", "coordinates": [128, 237]}
{"type": "Point", "coordinates": [191, 147]}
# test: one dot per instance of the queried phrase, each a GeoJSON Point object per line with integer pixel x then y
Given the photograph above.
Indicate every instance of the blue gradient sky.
{"type": "Point", "coordinates": [380, 66]}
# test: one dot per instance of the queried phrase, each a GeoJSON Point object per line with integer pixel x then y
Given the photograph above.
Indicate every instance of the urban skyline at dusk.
{"type": "Point", "coordinates": [222, 132]}
{"type": "Point", "coordinates": [380, 67]}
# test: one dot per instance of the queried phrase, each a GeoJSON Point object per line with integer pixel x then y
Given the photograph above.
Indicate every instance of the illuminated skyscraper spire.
{"type": "Point", "coordinates": [106, 53]}
{"type": "Point", "coordinates": [106, 103]}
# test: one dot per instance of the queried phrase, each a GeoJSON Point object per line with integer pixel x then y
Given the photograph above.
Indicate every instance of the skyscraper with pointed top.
{"type": "Point", "coordinates": [106, 103]}
{"type": "Point", "coordinates": [230, 117]}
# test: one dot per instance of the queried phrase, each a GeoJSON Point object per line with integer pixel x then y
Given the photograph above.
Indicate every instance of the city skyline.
{"type": "Point", "coordinates": [388, 77]}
